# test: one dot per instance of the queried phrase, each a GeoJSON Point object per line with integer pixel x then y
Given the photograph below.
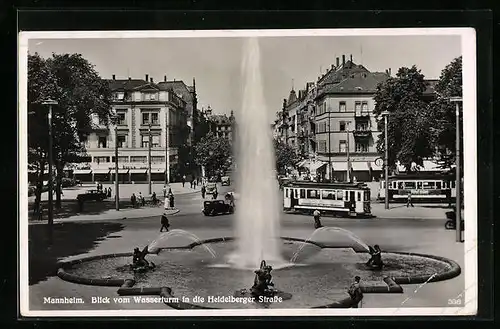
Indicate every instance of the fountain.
{"type": "Point", "coordinates": [236, 272]}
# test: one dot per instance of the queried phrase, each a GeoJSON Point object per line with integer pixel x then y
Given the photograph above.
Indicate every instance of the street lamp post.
{"type": "Point", "coordinates": [330, 169]}
{"type": "Point", "coordinates": [50, 102]}
{"type": "Point", "coordinates": [386, 114]}
{"type": "Point", "coordinates": [348, 155]}
{"type": "Point", "coordinates": [149, 159]}
{"type": "Point", "coordinates": [167, 151]}
{"type": "Point", "coordinates": [117, 193]}
{"type": "Point", "coordinates": [458, 183]}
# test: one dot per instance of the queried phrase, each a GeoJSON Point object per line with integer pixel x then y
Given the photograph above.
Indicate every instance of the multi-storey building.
{"type": "Point", "coordinates": [145, 111]}
{"type": "Point", "coordinates": [221, 124]}
{"type": "Point", "coordinates": [334, 122]}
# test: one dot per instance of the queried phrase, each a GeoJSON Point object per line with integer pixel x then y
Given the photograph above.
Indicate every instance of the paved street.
{"type": "Point", "coordinates": [393, 233]}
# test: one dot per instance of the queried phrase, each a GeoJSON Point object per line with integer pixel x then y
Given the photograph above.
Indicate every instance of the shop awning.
{"type": "Point", "coordinates": [316, 165]}
{"type": "Point", "coordinates": [359, 166]}
{"type": "Point", "coordinates": [339, 166]}
{"type": "Point", "coordinates": [100, 171]}
{"type": "Point", "coordinates": [138, 171]}
{"type": "Point", "coordinates": [82, 171]}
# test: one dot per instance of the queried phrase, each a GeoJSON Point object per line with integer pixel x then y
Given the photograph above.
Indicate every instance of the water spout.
{"type": "Point", "coordinates": [257, 214]}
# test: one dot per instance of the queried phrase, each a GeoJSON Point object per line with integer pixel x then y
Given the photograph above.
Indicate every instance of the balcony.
{"type": "Point", "coordinates": [362, 114]}
{"type": "Point", "coordinates": [362, 133]}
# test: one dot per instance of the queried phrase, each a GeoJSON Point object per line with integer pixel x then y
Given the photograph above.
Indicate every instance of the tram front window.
{"type": "Point", "coordinates": [340, 195]}
{"type": "Point", "coordinates": [312, 194]}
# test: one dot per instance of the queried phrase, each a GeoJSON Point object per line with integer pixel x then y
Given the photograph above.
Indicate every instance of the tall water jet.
{"type": "Point", "coordinates": [257, 211]}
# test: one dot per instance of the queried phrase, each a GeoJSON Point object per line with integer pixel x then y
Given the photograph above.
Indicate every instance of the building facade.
{"type": "Point", "coordinates": [145, 112]}
{"type": "Point", "coordinates": [220, 124]}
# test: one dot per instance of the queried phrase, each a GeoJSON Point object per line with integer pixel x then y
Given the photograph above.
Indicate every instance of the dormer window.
{"type": "Point", "coordinates": [119, 96]}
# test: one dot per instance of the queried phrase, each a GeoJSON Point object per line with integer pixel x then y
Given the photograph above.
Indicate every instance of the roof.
{"type": "Point", "coordinates": [126, 84]}
{"type": "Point", "coordinates": [360, 82]}
{"type": "Point", "coordinates": [326, 185]}
{"type": "Point", "coordinates": [336, 74]}
{"type": "Point", "coordinates": [424, 175]}
{"type": "Point", "coordinates": [179, 87]}
{"type": "Point", "coordinates": [431, 86]}
{"type": "Point", "coordinates": [220, 118]}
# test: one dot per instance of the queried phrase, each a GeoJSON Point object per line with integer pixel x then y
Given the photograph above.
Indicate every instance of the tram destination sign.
{"type": "Point", "coordinates": [321, 203]}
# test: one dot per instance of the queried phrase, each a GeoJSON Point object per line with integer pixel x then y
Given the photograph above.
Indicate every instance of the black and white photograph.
{"type": "Point", "coordinates": [320, 172]}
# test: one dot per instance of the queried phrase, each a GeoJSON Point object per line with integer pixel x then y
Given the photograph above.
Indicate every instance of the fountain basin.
{"type": "Point", "coordinates": [319, 277]}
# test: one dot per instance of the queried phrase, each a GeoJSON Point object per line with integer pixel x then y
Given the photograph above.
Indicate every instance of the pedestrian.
{"type": "Point", "coordinates": [109, 192]}
{"type": "Point", "coordinates": [194, 183]}
{"type": "Point", "coordinates": [317, 219]}
{"type": "Point", "coordinates": [140, 198]}
{"type": "Point", "coordinates": [215, 194]}
{"type": "Point", "coordinates": [355, 292]}
{"type": "Point", "coordinates": [183, 180]}
{"type": "Point", "coordinates": [172, 204]}
{"type": "Point", "coordinates": [203, 191]}
{"type": "Point", "coordinates": [164, 191]}
{"type": "Point", "coordinates": [409, 202]}
{"type": "Point", "coordinates": [133, 199]}
{"type": "Point", "coordinates": [154, 199]}
{"type": "Point", "coordinates": [164, 222]}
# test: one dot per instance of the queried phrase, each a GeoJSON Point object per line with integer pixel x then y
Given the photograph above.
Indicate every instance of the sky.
{"type": "Point", "coordinates": [286, 62]}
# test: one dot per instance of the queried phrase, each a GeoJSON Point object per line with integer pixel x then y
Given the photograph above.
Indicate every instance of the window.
{"type": "Point", "coordinates": [361, 147]}
{"type": "Point", "coordinates": [155, 141]}
{"type": "Point", "coordinates": [342, 146]}
{"type": "Point", "coordinates": [340, 195]}
{"type": "Point", "coordinates": [342, 106]}
{"type": "Point", "coordinates": [154, 118]}
{"type": "Point", "coordinates": [286, 193]}
{"type": "Point", "coordinates": [121, 118]}
{"type": "Point", "coordinates": [364, 107]}
{"type": "Point", "coordinates": [357, 107]}
{"type": "Point", "coordinates": [102, 122]}
{"type": "Point", "coordinates": [150, 96]}
{"type": "Point", "coordinates": [120, 159]}
{"type": "Point", "coordinates": [359, 196]}
{"type": "Point", "coordinates": [122, 141]}
{"type": "Point", "coordinates": [157, 159]}
{"type": "Point", "coordinates": [145, 118]}
{"type": "Point", "coordinates": [342, 126]}
{"type": "Point", "coordinates": [302, 193]}
{"type": "Point", "coordinates": [102, 142]}
{"type": "Point", "coordinates": [312, 194]}
{"type": "Point", "coordinates": [101, 159]}
{"type": "Point", "coordinates": [328, 194]}
{"type": "Point", "coordinates": [429, 185]}
{"type": "Point", "coordinates": [419, 185]}
{"type": "Point", "coordinates": [144, 141]}
{"type": "Point", "coordinates": [409, 185]}
{"type": "Point", "coordinates": [438, 185]}
{"type": "Point", "coordinates": [119, 96]}
{"type": "Point", "coordinates": [322, 146]}
{"type": "Point", "coordinates": [400, 185]}
{"type": "Point", "coordinates": [136, 159]}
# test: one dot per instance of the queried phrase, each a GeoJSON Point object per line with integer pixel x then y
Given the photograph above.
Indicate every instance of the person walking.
{"type": "Point", "coordinates": [133, 200]}
{"type": "Point", "coordinates": [355, 292]}
{"type": "Point", "coordinates": [317, 219]}
{"type": "Point", "coordinates": [183, 180]}
{"type": "Point", "coordinates": [409, 202]}
{"type": "Point", "coordinates": [171, 198]}
{"type": "Point", "coordinates": [164, 191]}
{"type": "Point", "coordinates": [164, 222]}
{"type": "Point", "coordinates": [109, 192]}
{"type": "Point", "coordinates": [203, 191]}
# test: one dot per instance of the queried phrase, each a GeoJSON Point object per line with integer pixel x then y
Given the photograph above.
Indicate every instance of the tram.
{"type": "Point", "coordinates": [427, 188]}
{"type": "Point", "coordinates": [337, 198]}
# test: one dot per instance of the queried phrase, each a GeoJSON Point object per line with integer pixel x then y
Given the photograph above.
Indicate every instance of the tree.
{"type": "Point", "coordinates": [444, 122]}
{"type": "Point", "coordinates": [409, 137]}
{"type": "Point", "coordinates": [80, 93]}
{"type": "Point", "coordinates": [285, 156]}
{"type": "Point", "coordinates": [213, 153]}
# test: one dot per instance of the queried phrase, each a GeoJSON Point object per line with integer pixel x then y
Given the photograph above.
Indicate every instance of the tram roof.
{"type": "Point", "coordinates": [422, 176]}
{"type": "Point", "coordinates": [327, 185]}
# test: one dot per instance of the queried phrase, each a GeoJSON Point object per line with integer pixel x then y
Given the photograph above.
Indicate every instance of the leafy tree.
{"type": "Point", "coordinates": [214, 153]}
{"type": "Point", "coordinates": [444, 122]}
{"type": "Point", "coordinates": [409, 137]}
{"type": "Point", "coordinates": [80, 93]}
{"type": "Point", "coordinates": [285, 156]}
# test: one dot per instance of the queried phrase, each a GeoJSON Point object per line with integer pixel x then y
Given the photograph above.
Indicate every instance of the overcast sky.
{"type": "Point", "coordinates": [216, 62]}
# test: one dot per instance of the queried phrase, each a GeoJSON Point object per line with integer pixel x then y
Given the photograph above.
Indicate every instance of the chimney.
{"type": "Point", "coordinates": [337, 62]}
{"type": "Point", "coordinates": [151, 80]}
{"type": "Point", "coordinates": [165, 78]}
{"type": "Point", "coordinates": [129, 78]}
{"type": "Point", "coordinates": [332, 67]}
{"type": "Point", "coordinates": [389, 71]}
{"type": "Point", "coordinates": [147, 77]}
{"type": "Point", "coordinates": [343, 59]}
{"type": "Point", "coordinates": [351, 57]}
{"type": "Point", "coordinates": [114, 77]}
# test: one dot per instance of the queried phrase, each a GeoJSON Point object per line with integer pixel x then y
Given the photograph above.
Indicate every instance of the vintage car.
{"type": "Point", "coordinates": [92, 195]}
{"type": "Point", "coordinates": [211, 188]}
{"type": "Point", "coordinates": [216, 207]}
{"type": "Point", "coordinates": [225, 181]}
